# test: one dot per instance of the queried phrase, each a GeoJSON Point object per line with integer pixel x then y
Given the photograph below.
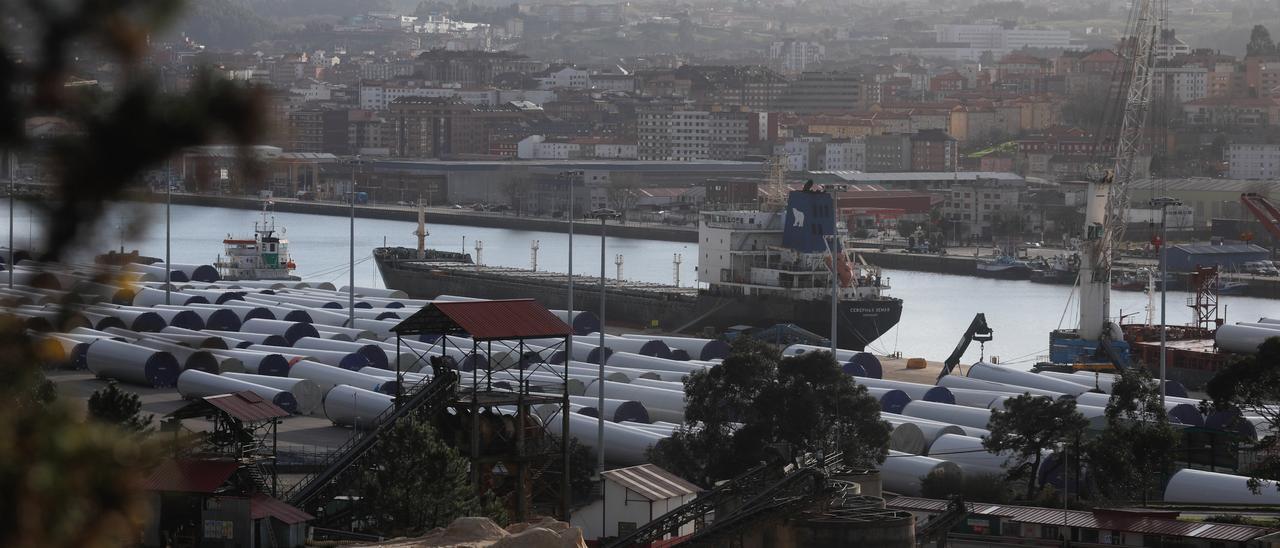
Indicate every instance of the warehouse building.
{"type": "Point", "coordinates": [1228, 257]}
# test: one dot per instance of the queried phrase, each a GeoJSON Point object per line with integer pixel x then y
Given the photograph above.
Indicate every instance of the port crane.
{"type": "Point", "coordinates": [1264, 210]}
{"type": "Point", "coordinates": [1108, 198]}
{"type": "Point", "coordinates": [977, 331]}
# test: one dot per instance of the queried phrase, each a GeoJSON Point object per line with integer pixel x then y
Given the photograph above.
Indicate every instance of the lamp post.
{"type": "Point", "coordinates": [604, 214]}
{"type": "Point", "coordinates": [13, 197]}
{"type": "Point", "coordinates": [168, 221]}
{"type": "Point", "coordinates": [1163, 203]}
{"type": "Point", "coordinates": [568, 348]}
{"type": "Point", "coordinates": [351, 249]}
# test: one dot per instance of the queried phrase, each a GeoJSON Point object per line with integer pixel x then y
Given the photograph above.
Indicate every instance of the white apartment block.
{"type": "Point", "coordinates": [848, 155]}
{"type": "Point", "coordinates": [1182, 84]}
{"type": "Point", "coordinates": [822, 154]}
{"type": "Point", "coordinates": [538, 147]}
{"type": "Point", "coordinates": [998, 39]}
{"type": "Point", "coordinates": [685, 135]}
{"type": "Point", "coordinates": [795, 56]}
{"type": "Point", "coordinates": [1253, 161]}
{"type": "Point", "coordinates": [567, 77]}
{"type": "Point", "coordinates": [974, 206]}
{"type": "Point", "coordinates": [379, 97]}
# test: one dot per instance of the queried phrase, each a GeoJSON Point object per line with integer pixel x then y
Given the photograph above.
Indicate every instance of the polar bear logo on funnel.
{"type": "Point", "coordinates": [799, 217]}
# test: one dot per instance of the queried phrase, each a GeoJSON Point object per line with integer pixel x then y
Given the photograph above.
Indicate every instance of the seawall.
{"type": "Point", "coordinates": [441, 216]}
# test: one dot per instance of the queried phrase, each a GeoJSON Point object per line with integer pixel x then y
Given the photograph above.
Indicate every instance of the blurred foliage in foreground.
{"type": "Point", "coordinates": [65, 480]}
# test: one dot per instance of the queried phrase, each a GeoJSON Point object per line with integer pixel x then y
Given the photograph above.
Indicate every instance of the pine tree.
{"type": "Point", "coordinates": [413, 481]}
{"type": "Point", "coordinates": [1030, 425]}
{"type": "Point", "coordinates": [115, 406]}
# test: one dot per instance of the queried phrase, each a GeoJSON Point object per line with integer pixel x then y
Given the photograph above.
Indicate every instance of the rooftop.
{"type": "Point", "coordinates": [1141, 521]}
{"type": "Point", "coordinates": [652, 482]}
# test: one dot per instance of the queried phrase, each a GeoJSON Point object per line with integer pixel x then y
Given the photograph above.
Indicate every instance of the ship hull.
{"type": "Point", "coordinates": [1004, 272]}
{"type": "Point", "coordinates": [861, 321]}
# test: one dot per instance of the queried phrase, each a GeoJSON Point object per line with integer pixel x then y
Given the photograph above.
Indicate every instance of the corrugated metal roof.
{"type": "Point", "coordinates": [486, 320]}
{"type": "Point", "coordinates": [652, 482]}
{"type": "Point", "coordinates": [190, 476]}
{"type": "Point", "coordinates": [1141, 521]}
{"type": "Point", "coordinates": [945, 176]}
{"type": "Point", "coordinates": [1209, 249]}
{"type": "Point", "coordinates": [246, 406]}
{"type": "Point", "coordinates": [261, 506]}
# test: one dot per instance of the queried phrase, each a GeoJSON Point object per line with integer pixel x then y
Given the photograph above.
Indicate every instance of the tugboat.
{"type": "Point", "coordinates": [1004, 267]}
{"type": "Point", "coordinates": [265, 256]}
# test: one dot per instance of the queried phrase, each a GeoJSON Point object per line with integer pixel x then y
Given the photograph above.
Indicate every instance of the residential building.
{"type": "Point", "coordinates": [1256, 112]}
{"type": "Point", "coordinates": [318, 129]}
{"type": "Point", "coordinates": [675, 134]}
{"type": "Point", "coordinates": [564, 77]}
{"type": "Point", "coordinates": [933, 150]}
{"type": "Point", "coordinates": [794, 56]}
{"type": "Point", "coordinates": [977, 207]}
{"type": "Point", "coordinates": [753, 87]}
{"type": "Point", "coordinates": [999, 39]}
{"type": "Point", "coordinates": [846, 155]}
{"type": "Point", "coordinates": [1170, 46]}
{"type": "Point", "coordinates": [472, 68]}
{"type": "Point", "coordinates": [949, 82]}
{"type": "Point", "coordinates": [427, 127]}
{"type": "Point", "coordinates": [378, 95]}
{"type": "Point", "coordinates": [888, 153]}
{"type": "Point", "coordinates": [1181, 84]}
{"type": "Point", "coordinates": [1262, 75]}
{"type": "Point", "coordinates": [1253, 161]}
{"type": "Point", "coordinates": [832, 92]}
{"type": "Point", "coordinates": [538, 147]}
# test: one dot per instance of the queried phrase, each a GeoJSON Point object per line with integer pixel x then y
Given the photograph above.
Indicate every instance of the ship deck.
{"type": "Point", "coordinates": [543, 277]}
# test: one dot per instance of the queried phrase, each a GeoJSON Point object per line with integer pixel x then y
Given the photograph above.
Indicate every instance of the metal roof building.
{"type": "Point", "coordinates": [633, 497]}
{"type": "Point", "coordinates": [1007, 525]}
{"type": "Point", "coordinates": [1185, 257]}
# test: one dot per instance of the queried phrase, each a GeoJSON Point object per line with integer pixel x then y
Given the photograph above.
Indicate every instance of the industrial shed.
{"type": "Point", "coordinates": [1185, 257]}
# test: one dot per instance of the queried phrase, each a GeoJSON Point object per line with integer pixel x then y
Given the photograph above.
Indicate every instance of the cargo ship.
{"type": "Point", "coordinates": [757, 268]}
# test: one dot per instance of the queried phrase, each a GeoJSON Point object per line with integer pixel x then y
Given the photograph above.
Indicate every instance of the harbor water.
{"type": "Point", "coordinates": [937, 308]}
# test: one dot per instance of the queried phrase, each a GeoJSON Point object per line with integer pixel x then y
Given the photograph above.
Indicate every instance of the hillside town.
{"type": "Point", "coordinates": [881, 274]}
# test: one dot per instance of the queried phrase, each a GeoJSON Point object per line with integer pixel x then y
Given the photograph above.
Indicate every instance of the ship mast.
{"type": "Point", "coordinates": [1108, 196]}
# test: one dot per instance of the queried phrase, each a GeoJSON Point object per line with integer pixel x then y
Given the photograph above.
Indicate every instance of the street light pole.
{"type": "Point", "coordinates": [568, 356]}
{"type": "Point", "coordinates": [604, 215]}
{"type": "Point", "coordinates": [1163, 203]}
{"type": "Point", "coordinates": [168, 229]}
{"type": "Point", "coordinates": [351, 259]}
{"type": "Point", "coordinates": [835, 294]}
{"type": "Point", "coordinates": [13, 197]}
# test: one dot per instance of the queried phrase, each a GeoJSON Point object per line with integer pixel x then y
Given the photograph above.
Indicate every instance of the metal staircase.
{"type": "Point", "coordinates": [795, 492]}
{"type": "Point", "coordinates": [431, 394]}
{"type": "Point", "coordinates": [768, 486]}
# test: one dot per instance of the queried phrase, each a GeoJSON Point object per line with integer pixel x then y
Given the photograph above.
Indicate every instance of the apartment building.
{"type": "Point", "coordinates": [1253, 161]}
{"type": "Point", "coordinates": [667, 132]}
{"type": "Point", "coordinates": [831, 92]}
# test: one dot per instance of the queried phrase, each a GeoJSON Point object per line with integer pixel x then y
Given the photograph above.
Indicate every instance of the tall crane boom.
{"type": "Point", "coordinates": [1108, 197]}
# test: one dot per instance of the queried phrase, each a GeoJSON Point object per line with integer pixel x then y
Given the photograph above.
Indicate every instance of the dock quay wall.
{"type": "Point", "coordinates": [1261, 287]}
{"type": "Point", "coordinates": [437, 216]}
{"type": "Point", "coordinates": [941, 264]}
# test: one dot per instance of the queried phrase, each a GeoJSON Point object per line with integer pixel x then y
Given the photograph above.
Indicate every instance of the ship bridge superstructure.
{"type": "Point", "coordinates": [743, 253]}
